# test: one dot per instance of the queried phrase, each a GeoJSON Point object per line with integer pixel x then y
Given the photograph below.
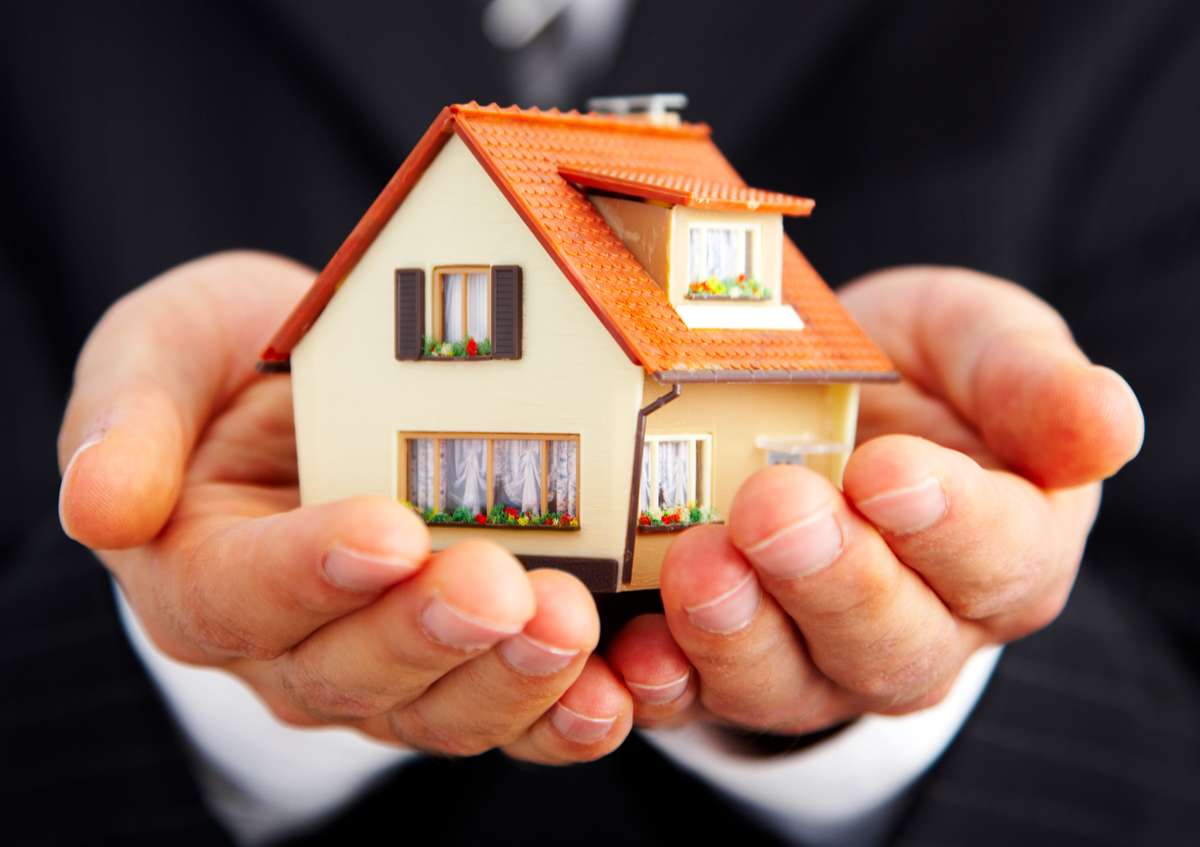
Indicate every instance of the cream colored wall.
{"type": "Point", "coordinates": [352, 397]}
{"type": "Point", "coordinates": [645, 228]}
{"type": "Point", "coordinates": [767, 261]}
{"type": "Point", "coordinates": [735, 414]}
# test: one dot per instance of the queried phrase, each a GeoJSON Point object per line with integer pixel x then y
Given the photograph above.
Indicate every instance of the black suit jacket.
{"type": "Point", "coordinates": [1050, 143]}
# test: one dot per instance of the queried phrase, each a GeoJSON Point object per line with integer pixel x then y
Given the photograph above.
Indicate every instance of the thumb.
{"type": "Point", "coordinates": [148, 380]}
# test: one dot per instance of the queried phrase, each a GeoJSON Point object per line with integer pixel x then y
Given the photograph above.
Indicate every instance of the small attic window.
{"type": "Point", "coordinates": [722, 263]}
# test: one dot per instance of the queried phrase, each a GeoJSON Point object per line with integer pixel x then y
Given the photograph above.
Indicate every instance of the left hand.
{"type": "Point", "coordinates": [962, 523]}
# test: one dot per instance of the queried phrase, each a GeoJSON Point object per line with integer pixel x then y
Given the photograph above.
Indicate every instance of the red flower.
{"type": "Point", "coordinates": [741, 277]}
{"type": "Point", "coordinates": [481, 518]}
{"type": "Point", "coordinates": [472, 347]}
{"type": "Point", "coordinates": [511, 512]}
{"type": "Point", "coordinates": [668, 518]}
{"type": "Point", "coordinates": [548, 521]}
{"type": "Point", "coordinates": [644, 520]}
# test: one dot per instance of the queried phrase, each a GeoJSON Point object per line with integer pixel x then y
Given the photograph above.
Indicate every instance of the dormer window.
{"type": "Point", "coordinates": [722, 263]}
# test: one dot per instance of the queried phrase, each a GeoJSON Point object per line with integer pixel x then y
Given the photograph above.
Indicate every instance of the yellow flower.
{"type": "Point", "coordinates": [523, 520]}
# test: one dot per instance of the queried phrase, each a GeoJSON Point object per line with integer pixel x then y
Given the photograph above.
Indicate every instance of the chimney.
{"type": "Point", "coordinates": [655, 109]}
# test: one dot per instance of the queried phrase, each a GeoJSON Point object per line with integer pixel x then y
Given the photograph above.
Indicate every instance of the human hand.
{"type": "Point", "coordinates": [179, 470]}
{"type": "Point", "coordinates": [962, 523]}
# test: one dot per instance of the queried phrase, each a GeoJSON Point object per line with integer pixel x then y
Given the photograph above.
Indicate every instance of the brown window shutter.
{"type": "Point", "coordinates": [506, 312]}
{"type": "Point", "coordinates": [410, 312]}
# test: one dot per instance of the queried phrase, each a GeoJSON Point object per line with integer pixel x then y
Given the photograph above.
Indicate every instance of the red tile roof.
{"type": "Point", "coordinates": [523, 151]}
{"type": "Point", "coordinates": [686, 190]}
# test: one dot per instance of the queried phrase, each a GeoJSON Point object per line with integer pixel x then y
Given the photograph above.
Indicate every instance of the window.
{"type": "Point", "coordinates": [492, 480]}
{"type": "Point", "coordinates": [721, 264]}
{"type": "Point", "coordinates": [676, 483]}
{"type": "Point", "coordinates": [475, 313]}
{"type": "Point", "coordinates": [463, 296]}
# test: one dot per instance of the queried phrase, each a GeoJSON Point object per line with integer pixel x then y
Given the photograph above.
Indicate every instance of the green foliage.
{"type": "Point", "coordinates": [428, 345]}
{"type": "Point", "coordinates": [461, 515]}
{"type": "Point", "coordinates": [485, 347]}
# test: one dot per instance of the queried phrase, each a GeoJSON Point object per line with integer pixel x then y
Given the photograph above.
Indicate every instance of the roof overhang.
{"type": "Point", "coordinates": [683, 190]}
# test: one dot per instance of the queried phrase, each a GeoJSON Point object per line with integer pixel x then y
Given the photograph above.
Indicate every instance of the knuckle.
{"type": "Point", "coordinates": [216, 632]}
{"type": "Point", "coordinates": [413, 727]}
{"type": "Point", "coordinates": [1038, 614]}
{"type": "Point", "coordinates": [314, 693]}
{"type": "Point", "coordinates": [739, 710]}
{"type": "Point", "coordinates": [289, 714]}
{"type": "Point", "coordinates": [888, 682]}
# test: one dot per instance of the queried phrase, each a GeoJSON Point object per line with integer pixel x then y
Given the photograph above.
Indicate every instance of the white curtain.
{"type": "Point", "coordinates": [452, 308]}
{"type": "Point", "coordinates": [562, 477]}
{"type": "Point", "coordinates": [673, 473]}
{"type": "Point", "coordinates": [517, 465]}
{"type": "Point", "coordinates": [464, 474]}
{"type": "Point", "coordinates": [478, 323]}
{"type": "Point", "coordinates": [715, 251]}
{"type": "Point", "coordinates": [420, 472]}
{"type": "Point", "coordinates": [644, 493]}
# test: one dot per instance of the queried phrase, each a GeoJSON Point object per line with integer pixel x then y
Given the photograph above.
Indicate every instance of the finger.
{"type": "Point", "coordinates": [231, 586]}
{"type": "Point", "coordinates": [464, 601]}
{"type": "Point", "coordinates": [147, 380]}
{"type": "Point", "coordinates": [752, 663]}
{"type": "Point", "coordinates": [493, 699]}
{"type": "Point", "coordinates": [988, 542]}
{"type": "Point", "coordinates": [871, 624]}
{"type": "Point", "coordinates": [1006, 361]}
{"type": "Point", "coordinates": [590, 720]}
{"type": "Point", "coordinates": [655, 671]}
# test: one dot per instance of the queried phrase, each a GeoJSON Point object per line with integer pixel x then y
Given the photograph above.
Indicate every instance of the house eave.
{"type": "Point", "coordinates": [771, 376]}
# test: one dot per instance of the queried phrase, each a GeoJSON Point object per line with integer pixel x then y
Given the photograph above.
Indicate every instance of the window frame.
{"type": "Point", "coordinates": [438, 328]}
{"type": "Point", "coordinates": [699, 491]}
{"type": "Point", "coordinates": [753, 231]}
{"type": "Point", "coordinates": [490, 438]}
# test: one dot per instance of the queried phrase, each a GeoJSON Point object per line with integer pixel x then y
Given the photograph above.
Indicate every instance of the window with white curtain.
{"type": "Point", "coordinates": [562, 492]}
{"type": "Point", "coordinates": [464, 295]}
{"type": "Point", "coordinates": [464, 474]}
{"type": "Point", "coordinates": [675, 472]}
{"type": "Point", "coordinates": [724, 252]}
{"type": "Point", "coordinates": [517, 470]}
{"type": "Point", "coordinates": [493, 475]}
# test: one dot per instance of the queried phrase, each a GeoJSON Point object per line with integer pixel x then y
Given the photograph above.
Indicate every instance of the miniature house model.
{"type": "Point", "coordinates": [571, 334]}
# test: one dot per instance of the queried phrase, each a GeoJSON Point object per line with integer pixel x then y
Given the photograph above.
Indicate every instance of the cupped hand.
{"type": "Point", "coordinates": [965, 510]}
{"type": "Point", "coordinates": [179, 470]}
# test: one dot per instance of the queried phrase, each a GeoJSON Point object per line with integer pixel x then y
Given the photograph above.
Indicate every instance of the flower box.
{"type": "Point", "coordinates": [674, 520]}
{"type": "Point", "coordinates": [431, 348]}
{"type": "Point", "coordinates": [732, 288]}
{"type": "Point", "coordinates": [500, 517]}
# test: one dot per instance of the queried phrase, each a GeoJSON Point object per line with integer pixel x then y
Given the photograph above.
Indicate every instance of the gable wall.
{"type": "Point", "coordinates": [352, 397]}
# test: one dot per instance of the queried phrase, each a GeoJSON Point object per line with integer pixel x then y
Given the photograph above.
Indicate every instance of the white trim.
{"type": "Point", "coordinates": [734, 314]}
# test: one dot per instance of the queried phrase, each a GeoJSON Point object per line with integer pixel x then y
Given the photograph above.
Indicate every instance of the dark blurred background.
{"type": "Point", "coordinates": [1054, 144]}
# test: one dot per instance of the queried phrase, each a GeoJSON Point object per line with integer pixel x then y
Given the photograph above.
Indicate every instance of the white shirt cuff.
{"type": "Point", "coordinates": [844, 790]}
{"type": "Point", "coordinates": [262, 779]}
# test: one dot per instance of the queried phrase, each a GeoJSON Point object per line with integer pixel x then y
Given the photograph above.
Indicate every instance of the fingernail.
{"type": "Point", "coordinates": [1124, 386]}
{"type": "Point", "coordinates": [660, 693]}
{"type": "Point", "coordinates": [90, 441]}
{"type": "Point", "coordinates": [728, 612]}
{"type": "Point", "coordinates": [908, 509]}
{"type": "Point", "coordinates": [581, 729]}
{"type": "Point", "coordinates": [361, 572]}
{"type": "Point", "coordinates": [454, 628]}
{"type": "Point", "coordinates": [800, 548]}
{"type": "Point", "coordinates": [534, 658]}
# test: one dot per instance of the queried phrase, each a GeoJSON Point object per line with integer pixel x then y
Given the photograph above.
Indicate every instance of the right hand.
{"type": "Point", "coordinates": [179, 470]}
